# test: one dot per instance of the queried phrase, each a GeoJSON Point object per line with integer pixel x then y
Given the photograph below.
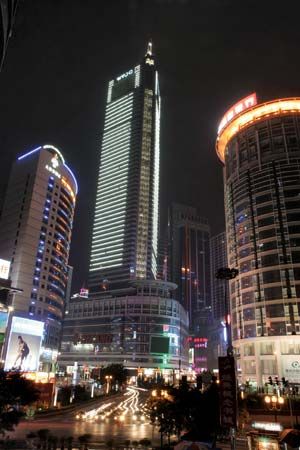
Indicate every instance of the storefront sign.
{"type": "Point", "coordinates": [267, 426]}
{"type": "Point", "coordinates": [227, 391]}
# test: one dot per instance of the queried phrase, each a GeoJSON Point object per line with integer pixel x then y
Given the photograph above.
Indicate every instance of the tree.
{"type": "Point", "coordinates": [188, 410]}
{"type": "Point", "coordinates": [16, 392]}
{"type": "Point", "coordinates": [43, 436]}
{"type": "Point", "coordinates": [117, 371]}
{"type": "Point", "coordinates": [64, 395]}
{"type": "Point", "coordinates": [30, 439]}
{"type": "Point", "coordinates": [84, 440]}
{"type": "Point", "coordinates": [80, 394]}
{"type": "Point", "coordinates": [145, 442]}
{"type": "Point", "coordinates": [110, 443]}
{"type": "Point", "coordinates": [70, 442]}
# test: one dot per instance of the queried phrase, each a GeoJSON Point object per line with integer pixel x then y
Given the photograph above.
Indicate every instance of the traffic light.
{"type": "Point", "coordinates": [270, 381]}
{"type": "Point", "coordinates": [284, 382]}
{"type": "Point", "coordinates": [276, 381]}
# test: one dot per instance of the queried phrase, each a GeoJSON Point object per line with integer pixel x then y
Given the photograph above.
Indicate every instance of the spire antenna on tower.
{"type": "Point", "coordinates": [149, 48]}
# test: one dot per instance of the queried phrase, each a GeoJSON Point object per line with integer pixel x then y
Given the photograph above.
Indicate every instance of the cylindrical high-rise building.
{"type": "Point", "coordinates": [35, 235]}
{"type": "Point", "coordinates": [259, 145]}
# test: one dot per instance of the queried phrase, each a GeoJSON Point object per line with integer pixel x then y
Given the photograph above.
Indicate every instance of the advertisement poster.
{"type": "Point", "coordinates": [24, 345]}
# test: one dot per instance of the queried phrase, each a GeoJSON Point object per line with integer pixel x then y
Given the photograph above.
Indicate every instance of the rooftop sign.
{"type": "Point", "coordinates": [236, 109]}
{"type": "Point", "coordinates": [125, 75]}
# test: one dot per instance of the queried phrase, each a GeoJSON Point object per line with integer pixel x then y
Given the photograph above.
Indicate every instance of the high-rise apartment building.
{"type": "Point", "coordinates": [35, 236]}
{"type": "Point", "coordinates": [219, 288]}
{"type": "Point", "coordinates": [189, 262]}
{"type": "Point", "coordinates": [125, 230]}
{"type": "Point", "coordinates": [259, 145]}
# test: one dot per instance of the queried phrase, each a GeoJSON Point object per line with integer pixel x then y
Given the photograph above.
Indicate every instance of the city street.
{"type": "Point", "coordinates": [118, 419]}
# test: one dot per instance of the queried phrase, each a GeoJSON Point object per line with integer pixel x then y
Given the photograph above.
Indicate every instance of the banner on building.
{"type": "Point", "coordinates": [228, 393]}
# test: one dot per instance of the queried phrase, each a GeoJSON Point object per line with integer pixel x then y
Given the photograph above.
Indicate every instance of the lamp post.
{"type": "Point", "coordinates": [225, 273]}
{"type": "Point", "coordinates": [274, 403]}
{"type": "Point", "coordinates": [108, 379]}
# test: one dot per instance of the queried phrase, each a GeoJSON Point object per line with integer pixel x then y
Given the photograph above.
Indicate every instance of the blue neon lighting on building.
{"type": "Point", "coordinates": [60, 155]}
{"type": "Point", "coordinates": [29, 153]}
{"type": "Point", "coordinates": [73, 176]}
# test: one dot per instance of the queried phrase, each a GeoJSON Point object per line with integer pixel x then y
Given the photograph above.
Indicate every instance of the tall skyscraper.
{"type": "Point", "coordinates": [259, 145]}
{"type": "Point", "coordinates": [125, 231]}
{"type": "Point", "coordinates": [35, 235]}
{"type": "Point", "coordinates": [8, 10]}
{"type": "Point", "coordinates": [219, 288]}
{"type": "Point", "coordinates": [189, 262]}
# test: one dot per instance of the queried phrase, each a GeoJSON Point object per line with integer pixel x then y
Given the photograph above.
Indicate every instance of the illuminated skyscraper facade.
{"type": "Point", "coordinates": [189, 263]}
{"type": "Point", "coordinates": [259, 145]}
{"type": "Point", "coordinates": [35, 235]}
{"type": "Point", "coordinates": [125, 229]}
{"type": "Point", "coordinates": [219, 288]}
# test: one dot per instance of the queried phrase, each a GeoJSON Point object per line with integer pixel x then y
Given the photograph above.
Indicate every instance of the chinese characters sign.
{"type": "Point", "coordinates": [227, 391]}
{"type": "Point", "coordinates": [236, 109]}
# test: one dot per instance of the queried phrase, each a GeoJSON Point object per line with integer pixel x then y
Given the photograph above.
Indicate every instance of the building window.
{"type": "Point", "coordinates": [273, 293]}
{"type": "Point", "coordinates": [290, 348]}
{"type": "Point", "coordinates": [249, 367]}
{"type": "Point", "coordinates": [269, 260]}
{"type": "Point", "coordinates": [250, 331]}
{"type": "Point", "coordinates": [267, 348]}
{"type": "Point", "coordinates": [271, 276]}
{"type": "Point", "coordinates": [247, 297]}
{"type": "Point", "coordinates": [249, 314]}
{"type": "Point", "coordinates": [249, 350]}
{"type": "Point", "coordinates": [275, 310]}
{"type": "Point", "coordinates": [268, 367]}
{"type": "Point", "coordinates": [277, 329]}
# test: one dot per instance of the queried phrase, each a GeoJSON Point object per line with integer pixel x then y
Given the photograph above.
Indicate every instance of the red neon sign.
{"type": "Point", "coordinates": [237, 108]}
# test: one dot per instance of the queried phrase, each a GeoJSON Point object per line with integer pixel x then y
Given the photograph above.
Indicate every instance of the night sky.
{"type": "Point", "coordinates": [210, 53]}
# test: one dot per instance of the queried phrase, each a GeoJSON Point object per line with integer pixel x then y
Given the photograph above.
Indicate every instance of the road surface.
{"type": "Point", "coordinates": [119, 419]}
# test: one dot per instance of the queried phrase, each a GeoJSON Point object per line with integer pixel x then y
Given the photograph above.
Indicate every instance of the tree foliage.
{"type": "Point", "coordinates": [188, 410]}
{"type": "Point", "coordinates": [64, 395]}
{"type": "Point", "coordinates": [117, 371]}
{"type": "Point", "coordinates": [16, 392]}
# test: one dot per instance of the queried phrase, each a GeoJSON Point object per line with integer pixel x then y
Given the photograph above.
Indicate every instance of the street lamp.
{"type": "Point", "coordinates": [225, 273]}
{"type": "Point", "coordinates": [274, 403]}
{"type": "Point", "coordinates": [108, 379]}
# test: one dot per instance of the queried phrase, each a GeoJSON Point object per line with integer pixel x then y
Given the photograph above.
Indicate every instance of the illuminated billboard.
{"type": "Point", "coordinates": [24, 345]}
{"type": "Point", "coordinates": [4, 269]}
